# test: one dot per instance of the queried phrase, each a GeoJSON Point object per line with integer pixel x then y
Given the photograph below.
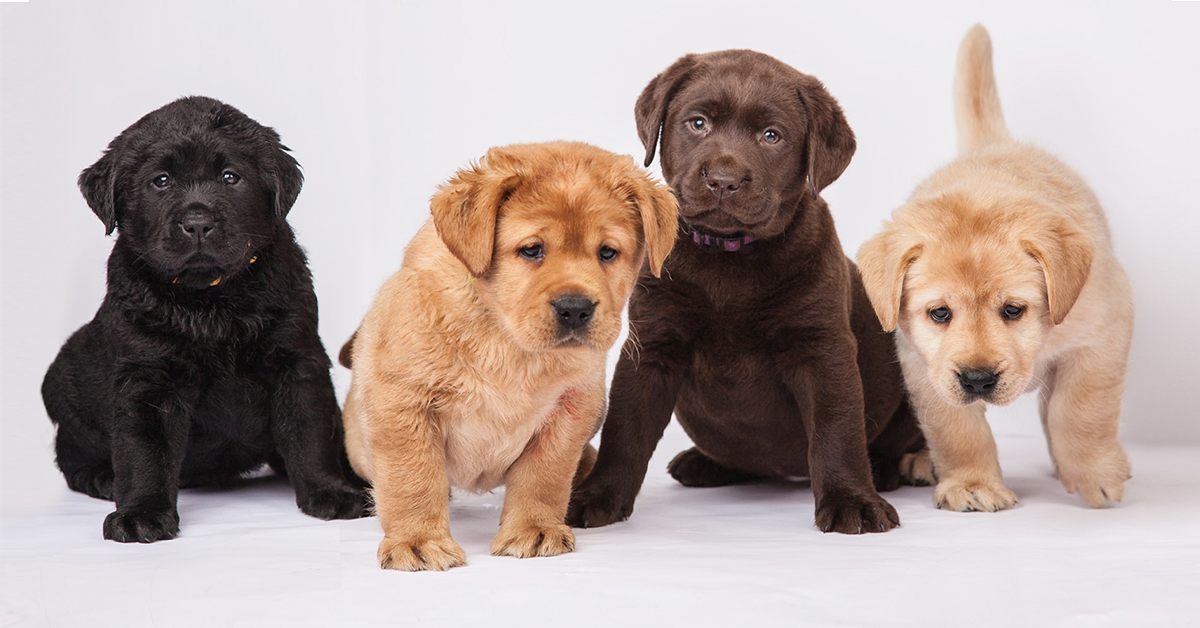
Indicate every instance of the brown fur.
{"type": "Point", "coordinates": [1006, 224]}
{"type": "Point", "coordinates": [769, 356]}
{"type": "Point", "coordinates": [462, 375]}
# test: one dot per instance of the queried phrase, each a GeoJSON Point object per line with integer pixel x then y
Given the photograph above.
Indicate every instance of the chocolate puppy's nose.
{"type": "Point", "coordinates": [721, 181]}
{"type": "Point", "coordinates": [977, 382]}
{"type": "Point", "coordinates": [573, 310]}
{"type": "Point", "coordinates": [197, 225]}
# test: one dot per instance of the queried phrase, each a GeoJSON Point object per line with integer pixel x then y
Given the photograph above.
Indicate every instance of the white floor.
{"type": "Point", "coordinates": [736, 556]}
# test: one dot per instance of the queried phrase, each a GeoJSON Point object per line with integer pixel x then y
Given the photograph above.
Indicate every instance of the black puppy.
{"type": "Point", "coordinates": [203, 361]}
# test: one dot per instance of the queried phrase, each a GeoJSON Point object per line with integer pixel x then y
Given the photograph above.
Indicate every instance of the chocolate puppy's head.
{"type": "Point", "coordinates": [554, 236]}
{"type": "Point", "coordinates": [743, 136]}
{"type": "Point", "coordinates": [196, 189]}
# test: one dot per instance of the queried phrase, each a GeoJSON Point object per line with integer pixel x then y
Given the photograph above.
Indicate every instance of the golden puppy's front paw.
{"type": "Point", "coordinates": [438, 554]}
{"type": "Point", "coordinates": [976, 496]}
{"type": "Point", "coordinates": [533, 540]}
{"type": "Point", "coordinates": [917, 469]}
{"type": "Point", "coordinates": [1099, 483]}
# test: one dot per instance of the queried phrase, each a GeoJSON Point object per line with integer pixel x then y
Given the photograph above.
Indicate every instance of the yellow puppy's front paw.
{"type": "Point", "coordinates": [1099, 483]}
{"type": "Point", "coordinates": [438, 554]}
{"type": "Point", "coordinates": [966, 496]}
{"type": "Point", "coordinates": [917, 469]}
{"type": "Point", "coordinates": [533, 540]}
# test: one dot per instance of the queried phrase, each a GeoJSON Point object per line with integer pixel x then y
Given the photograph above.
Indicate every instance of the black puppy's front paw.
{"type": "Point", "coordinates": [333, 502]}
{"type": "Point", "coordinates": [854, 514]}
{"type": "Point", "coordinates": [597, 504]}
{"type": "Point", "coordinates": [141, 525]}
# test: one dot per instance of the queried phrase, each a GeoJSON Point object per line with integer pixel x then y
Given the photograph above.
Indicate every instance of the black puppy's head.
{"type": "Point", "coordinates": [742, 134]}
{"type": "Point", "coordinates": [197, 188]}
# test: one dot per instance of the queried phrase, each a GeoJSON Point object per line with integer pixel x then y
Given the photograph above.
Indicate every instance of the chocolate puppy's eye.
{"type": "Point", "coordinates": [533, 252]}
{"type": "Point", "coordinates": [940, 314]}
{"type": "Point", "coordinates": [1012, 312]}
{"type": "Point", "coordinates": [161, 181]}
{"type": "Point", "coordinates": [771, 136]}
{"type": "Point", "coordinates": [698, 123]}
{"type": "Point", "coordinates": [230, 178]}
{"type": "Point", "coordinates": [608, 254]}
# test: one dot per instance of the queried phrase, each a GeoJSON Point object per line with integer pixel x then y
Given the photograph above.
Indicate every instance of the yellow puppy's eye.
{"type": "Point", "coordinates": [533, 252]}
{"type": "Point", "coordinates": [940, 314]}
{"type": "Point", "coordinates": [608, 254]}
{"type": "Point", "coordinates": [1012, 312]}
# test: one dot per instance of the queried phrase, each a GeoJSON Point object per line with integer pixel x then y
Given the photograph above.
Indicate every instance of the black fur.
{"type": "Point", "coordinates": [177, 382]}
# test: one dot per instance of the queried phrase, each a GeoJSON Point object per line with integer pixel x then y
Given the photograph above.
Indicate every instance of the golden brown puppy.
{"type": "Point", "coordinates": [481, 362]}
{"type": "Point", "coordinates": [1000, 273]}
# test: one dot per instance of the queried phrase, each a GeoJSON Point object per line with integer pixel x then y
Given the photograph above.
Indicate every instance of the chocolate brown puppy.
{"type": "Point", "coordinates": [758, 334]}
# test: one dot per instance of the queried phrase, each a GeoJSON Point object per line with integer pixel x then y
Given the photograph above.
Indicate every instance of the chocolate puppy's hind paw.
{"type": "Point", "coordinates": [693, 468]}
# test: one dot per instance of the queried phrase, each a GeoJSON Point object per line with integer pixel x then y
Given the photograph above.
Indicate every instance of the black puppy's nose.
{"type": "Point", "coordinates": [977, 382]}
{"type": "Point", "coordinates": [197, 225]}
{"type": "Point", "coordinates": [573, 310]}
{"type": "Point", "coordinates": [722, 181]}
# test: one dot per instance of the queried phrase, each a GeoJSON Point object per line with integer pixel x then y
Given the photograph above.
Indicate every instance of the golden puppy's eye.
{"type": "Point", "coordinates": [771, 136]}
{"type": "Point", "coordinates": [161, 181]}
{"type": "Point", "coordinates": [698, 123]}
{"type": "Point", "coordinates": [230, 177]}
{"type": "Point", "coordinates": [533, 252]}
{"type": "Point", "coordinates": [1012, 312]}
{"type": "Point", "coordinates": [940, 314]}
{"type": "Point", "coordinates": [608, 253]}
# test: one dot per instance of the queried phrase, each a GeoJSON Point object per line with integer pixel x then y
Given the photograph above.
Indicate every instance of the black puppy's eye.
{"type": "Point", "coordinates": [1012, 312]}
{"type": "Point", "coordinates": [608, 254]}
{"type": "Point", "coordinates": [230, 178]}
{"type": "Point", "coordinates": [161, 181]}
{"type": "Point", "coordinates": [940, 314]}
{"type": "Point", "coordinates": [771, 136]}
{"type": "Point", "coordinates": [698, 123]}
{"type": "Point", "coordinates": [533, 252]}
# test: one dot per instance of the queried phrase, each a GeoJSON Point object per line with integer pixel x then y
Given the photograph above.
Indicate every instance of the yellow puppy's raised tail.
{"type": "Point", "coordinates": [976, 102]}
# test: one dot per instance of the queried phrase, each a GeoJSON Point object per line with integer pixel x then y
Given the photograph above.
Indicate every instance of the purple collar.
{"type": "Point", "coordinates": [728, 245]}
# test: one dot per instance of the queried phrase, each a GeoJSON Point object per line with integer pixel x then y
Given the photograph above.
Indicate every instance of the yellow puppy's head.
{"type": "Point", "coordinates": [555, 235]}
{"type": "Point", "coordinates": [975, 283]}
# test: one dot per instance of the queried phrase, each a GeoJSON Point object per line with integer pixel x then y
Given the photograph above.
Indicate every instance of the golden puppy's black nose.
{"type": "Point", "coordinates": [977, 382]}
{"type": "Point", "coordinates": [573, 310]}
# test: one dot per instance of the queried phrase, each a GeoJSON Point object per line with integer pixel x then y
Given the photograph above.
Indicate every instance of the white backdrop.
{"type": "Point", "coordinates": [382, 101]}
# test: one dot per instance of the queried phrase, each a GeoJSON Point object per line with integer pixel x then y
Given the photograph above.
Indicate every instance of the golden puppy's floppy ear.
{"type": "Point", "coordinates": [660, 215]}
{"type": "Point", "coordinates": [651, 108]}
{"type": "Point", "coordinates": [883, 261]}
{"type": "Point", "coordinates": [465, 209]}
{"type": "Point", "coordinates": [1065, 254]}
{"type": "Point", "coordinates": [828, 142]}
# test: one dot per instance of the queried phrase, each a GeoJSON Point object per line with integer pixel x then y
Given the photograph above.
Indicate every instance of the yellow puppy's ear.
{"type": "Point", "coordinates": [465, 209]}
{"type": "Point", "coordinates": [660, 215]}
{"type": "Point", "coordinates": [1065, 254]}
{"type": "Point", "coordinates": [883, 261]}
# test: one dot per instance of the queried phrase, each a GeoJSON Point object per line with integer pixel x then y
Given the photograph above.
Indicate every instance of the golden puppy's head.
{"type": "Point", "coordinates": [555, 235]}
{"type": "Point", "coordinates": [975, 283]}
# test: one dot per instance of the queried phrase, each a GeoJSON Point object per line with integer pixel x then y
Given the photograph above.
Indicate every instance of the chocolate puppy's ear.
{"type": "Point", "coordinates": [883, 261]}
{"type": "Point", "coordinates": [660, 215]}
{"type": "Point", "coordinates": [828, 143]}
{"type": "Point", "coordinates": [651, 108]}
{"type": "Point", "coordinates": [466, 207]}
{"type": "Point", "coordinates": [98, 183]}
{"type": "Point", "coordinates": [286, 178]}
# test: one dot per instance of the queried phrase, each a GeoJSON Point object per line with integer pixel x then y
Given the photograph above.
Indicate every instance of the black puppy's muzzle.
{"type": "Point", "coordinates": [198, 222]}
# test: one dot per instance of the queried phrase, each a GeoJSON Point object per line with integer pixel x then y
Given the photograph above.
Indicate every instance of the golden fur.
{"type": "Point", "coordinates": [461, 374]}
{"type": "Point", "coordinates": [1005, 224]}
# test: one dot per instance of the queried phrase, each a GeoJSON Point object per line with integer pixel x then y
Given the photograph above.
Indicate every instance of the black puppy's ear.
{"type": "Point", "coordinates": [286, 180]}
{"type": "Point", "coordinates": [99, 186]}
{"type": "Point", "coordinates": [829, 142]}
{"type": "Point", "coordinates": [651, 108]}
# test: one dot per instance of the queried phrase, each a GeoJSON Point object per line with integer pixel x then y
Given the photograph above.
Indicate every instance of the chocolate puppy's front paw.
{"type": "Point", "coordinates": [596, 504]}
{"type": "Point", "coordinates": [333, 502]}
{"type": "Point", "coordinates": [141, 525]}
{"type": "Point", "coordinates": [853, 514]}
